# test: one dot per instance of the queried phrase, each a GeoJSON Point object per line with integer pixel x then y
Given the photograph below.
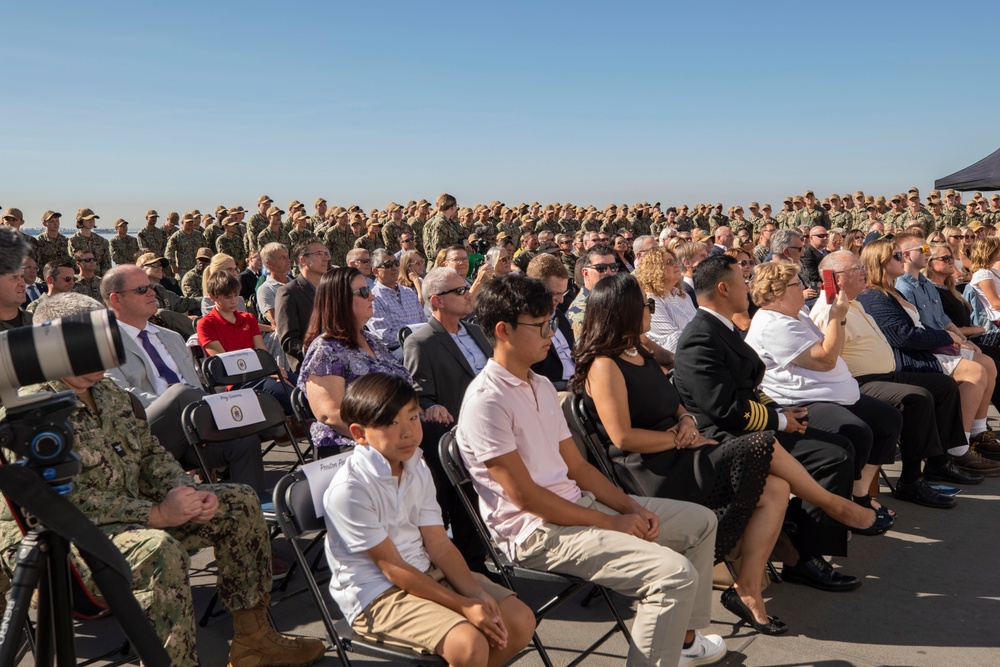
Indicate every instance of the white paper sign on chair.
{"type": "Point", "coordinates": [233, 409]}
{"type": "Point", "coordinates": [319, 473]}
{"type": "Point", "coordinates": [240, 361]}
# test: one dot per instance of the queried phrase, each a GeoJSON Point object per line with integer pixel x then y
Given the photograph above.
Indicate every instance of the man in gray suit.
{"type": "Point", "coordinates": [160, 372]}
{"type": "Point", "coordinates": [443, 357]}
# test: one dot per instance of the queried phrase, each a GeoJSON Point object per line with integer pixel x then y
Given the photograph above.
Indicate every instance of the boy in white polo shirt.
{"type": "Point", "coordinates": [396, 575]}
{"type": "Point", "coordinates": [551, 510]}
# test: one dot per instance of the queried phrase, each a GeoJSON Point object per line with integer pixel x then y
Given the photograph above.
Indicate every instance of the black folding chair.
{"type": "Point", "coordinates": [216, 376]}
{"type": "Point", "coordinates": [298, 520]}
{"type": "Point", "coordinates": [304, 416]}
{"type": "Point", "coordinates": [509, 572]}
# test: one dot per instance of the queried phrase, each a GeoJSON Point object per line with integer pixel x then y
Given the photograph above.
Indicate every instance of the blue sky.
{"type": "Point", "coordinates": [123, 106]}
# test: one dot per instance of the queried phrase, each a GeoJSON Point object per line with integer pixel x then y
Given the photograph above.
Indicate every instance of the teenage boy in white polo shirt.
{"type": "Point", "coordinates": [549, 509]}
{"type": "Point", "coordinates": [396, 575]}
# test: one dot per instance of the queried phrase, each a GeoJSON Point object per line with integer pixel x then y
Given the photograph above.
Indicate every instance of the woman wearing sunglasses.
{"type": "Point", "coordinates": [659, 276]}
{"type": "Point", "coordinates": [922, 350]}
{"type": "Point", "coordinates": [339, 351]}
{"type": "Point", "coordinates": [955, 238]}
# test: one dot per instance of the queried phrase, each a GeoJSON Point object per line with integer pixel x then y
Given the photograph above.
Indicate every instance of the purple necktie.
{"type": "Point", "coordinates": [154, 356]}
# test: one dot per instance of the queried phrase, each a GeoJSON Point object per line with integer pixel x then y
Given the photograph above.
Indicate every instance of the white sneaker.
{"type": "Point", "coordinates": [704, 650]}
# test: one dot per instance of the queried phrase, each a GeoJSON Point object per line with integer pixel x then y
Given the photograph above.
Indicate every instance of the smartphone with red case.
{"type": "Point", "coordinates": [830, 286]}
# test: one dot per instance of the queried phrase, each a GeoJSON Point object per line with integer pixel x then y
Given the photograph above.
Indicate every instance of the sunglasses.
{"type": "Point", "coordinates": [651, 305]}
{"type": "Point", "coordinates": [603, 268]}
{"type": "Point", "coordinates": [141, 289]}
{"type": "Point", "coordinates": [391, 264]}
{"type": "Point", "coordinates": [460, 291]}
{"type": "Point", "coordinates": [923, 249]}
{"type": "Point", "coordinates": [898, 256]}
{"type": "Point", "coordinates": [363, 292]}
{"type": "Point", "coordinates": [66, 279]}
{"type": "Point", "coordinates": [947, 259]}
{"type": "Point", "coordinates": [405, 240]}
{"type": "Point", "coordinates": [87, 260]}
{"type": "Point", "coordinates": [745, 263]}
{"type": "Point", "coordinates": [363, 261]}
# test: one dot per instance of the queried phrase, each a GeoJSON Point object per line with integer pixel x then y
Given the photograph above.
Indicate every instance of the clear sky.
{"type": "Point", "coordinates": [127, 106]}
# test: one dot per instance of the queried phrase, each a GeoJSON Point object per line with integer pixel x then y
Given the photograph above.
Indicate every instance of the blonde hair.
{"type": "Point", "coordinates": [949, 280]}
{"type": "Point", "coordinates": [875, 256]}
{"type": "Point", "coordinates": [651, 275]}
{"type": "Point", "coordinates": [213, 266]}
{"type": "Point", "coordinates": [407, 258]}
{"type": "Point", "coordinates": [770, 281]}
{"type": "Point", "coordinates": [983, 252]}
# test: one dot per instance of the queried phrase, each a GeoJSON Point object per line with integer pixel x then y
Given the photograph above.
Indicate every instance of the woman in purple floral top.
{"type": "Point", "coordinates": [338, 351]}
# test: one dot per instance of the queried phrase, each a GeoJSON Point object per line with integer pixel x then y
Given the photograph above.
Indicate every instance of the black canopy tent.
{"type": "Point", "coordinates": [983, 175]}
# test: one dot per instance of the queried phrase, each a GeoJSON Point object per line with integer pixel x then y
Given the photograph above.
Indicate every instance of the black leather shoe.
{"type": "Point", "coordinates": [815, 571]}
{"type": "Point", "coordinates": [921, 493]}
{"type": "Point", "coordinates": [949, 472]}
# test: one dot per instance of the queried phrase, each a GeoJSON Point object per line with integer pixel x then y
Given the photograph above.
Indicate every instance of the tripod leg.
{"type": "Point", "coordinates": [26, 577]}
{"type": "Point", "coordinates": [60, 600]}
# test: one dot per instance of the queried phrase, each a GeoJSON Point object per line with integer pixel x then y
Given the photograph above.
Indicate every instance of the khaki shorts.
{"type": "Point", "coordinates": [397, 617]}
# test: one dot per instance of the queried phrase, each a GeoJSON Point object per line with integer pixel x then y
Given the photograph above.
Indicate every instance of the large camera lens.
{"type": "Point", "coordinates": [75, 345]}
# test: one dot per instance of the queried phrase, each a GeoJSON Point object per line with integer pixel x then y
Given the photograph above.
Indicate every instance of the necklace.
{"type": "Point", "coordinates": [632, 352]}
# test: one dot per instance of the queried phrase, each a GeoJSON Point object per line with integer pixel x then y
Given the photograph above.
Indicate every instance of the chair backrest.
{"type": "Point", "coordinates": [458, 475]}
{"type": "Point", "coordinates": [598, 443]}
{"type": "Point", "coordinates": [293, 506]}
{"type": "Point", "coordinates": [301, 408]}
{"type": "Point", "coordinates": [407, 329]}
{"type": "Point", "coordinates": [199, 423]}
{"type": "Point", "coordinates": [215, 372]}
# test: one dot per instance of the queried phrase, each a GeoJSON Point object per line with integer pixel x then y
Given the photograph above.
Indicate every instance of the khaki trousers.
{"type": "Point", "coordinates": [671, 577]}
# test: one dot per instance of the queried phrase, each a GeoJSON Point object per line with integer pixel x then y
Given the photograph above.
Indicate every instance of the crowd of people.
{"type": "Point", "coordinates": [749, 375]}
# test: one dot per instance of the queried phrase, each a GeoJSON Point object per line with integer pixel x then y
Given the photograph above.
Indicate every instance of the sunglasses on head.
{"type": "Point", "coordinates": [363, 292]}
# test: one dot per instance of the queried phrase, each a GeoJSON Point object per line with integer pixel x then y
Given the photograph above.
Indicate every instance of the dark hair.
{"type": "Point", "coordinates": [52, 268]}
{"type": "Point", "coordinates": [711, 271]}
{"type": "Point", "coordinates": [333, 308]}
{"type": "Point", "coordinates": [505, 297]}
{"type": "Point", "coordinates": [611, 324]}
{"type": "Point", "coordinates": [222, 283]}
{"type": "Point", "coordinates": [375, 399]}
{"type": "Point", "coordinates": [302, 247]}
{"type": "Point", "coordinates": [597, 250]}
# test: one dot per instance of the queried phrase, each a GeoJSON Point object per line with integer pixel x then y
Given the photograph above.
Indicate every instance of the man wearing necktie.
{"type": "Point", "coordinates": [160, 372]}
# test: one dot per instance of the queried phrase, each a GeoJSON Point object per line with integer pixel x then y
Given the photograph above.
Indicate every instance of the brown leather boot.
{"type": "Point", "coordinates": [257, 644]}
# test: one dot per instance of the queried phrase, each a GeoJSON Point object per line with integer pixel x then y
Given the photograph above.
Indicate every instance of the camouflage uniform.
{"type": "Point", "coordinates": [892, 219]}
{"type": "Point", "coordinates": [717, 220]}
{"type": "Point", "coordinates": [232, 246]}
{"type": "Point", "coordinates": [440, 232]}
{"type": "Point", "coordinates": [191, 283]}
{"type": "Point", "coordinates": [212, 233]}
{"type": "Point", "coordinates": [513, 231]}
{"type": "Point", "coordinates": [124, 250]}
{"type": "Point", "coordinates": [96, 245]}
{"type": "Point", "coordinates": [271, 236]}
{"type": "Point", "coordinates": [417, 225]}
{"type": "Point", "coordinates": [954, 216]}
{"type": "Point", "coordinates": [152, 240]}
{"type": "Point", "coordinates": [49, 250]}
{"type": "Point", "coordinates": [315, 223]}
{"type": "Point", "coordinates": [368, 243]}
{"type": "Point", "coordinates": [568, 226]}
{"type": "Point", "coordinates": [756, 222]}
{"type": "Point", "coordinates": [339, 241]}
{"type": "Point", "coordinates": [390, 234]}
{"type": "Point", "coordinates": [812, 217]}
{"type": "Point", "coordinates": [925, 219]}
{"type": "Point", "coordinates": [296, 237]}
{"type": "Point", "coordinates": [782, 219]}
{"type": "Point", "coordinates": [125, 473]}
{"type": "Point", "coordinates": [860, 219]}
{"type": "Point", "coordinates": [255, 225]}
{"type": "Point", "coordinates": [91, 287]}
{"type": "Point", "coordinates": [591, 225]}
{"type": "Point", "coordinates": [842, 219]}
{"type": "Point", "coordinates": [576, 311]}
{"type": "Point", "coordinates": [182, 250]}
{"type": "Point", "coordinates": [545, 226]}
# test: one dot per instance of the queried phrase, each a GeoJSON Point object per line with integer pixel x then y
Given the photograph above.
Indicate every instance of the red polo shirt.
{"type": "Point", "coordinates": [233, 336]}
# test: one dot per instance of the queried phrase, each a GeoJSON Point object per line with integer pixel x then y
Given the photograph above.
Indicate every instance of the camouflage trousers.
{"type": "Point", "coordinates": [160, 564]}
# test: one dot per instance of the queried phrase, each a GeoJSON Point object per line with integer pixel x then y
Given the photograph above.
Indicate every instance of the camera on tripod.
{"type": "Point", "coordinates": [36, 427]}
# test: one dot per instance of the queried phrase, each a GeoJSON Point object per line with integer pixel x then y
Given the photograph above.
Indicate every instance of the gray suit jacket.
{"type": "Point", "coordinates": [293, 304]}
{"type": "Point", "coordinates": [440, 371]}
{"type": "Point", "coordinates": [138, 375]}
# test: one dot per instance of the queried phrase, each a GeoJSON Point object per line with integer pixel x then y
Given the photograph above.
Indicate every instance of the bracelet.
{"type": "Point", "coordinates": [687, 414]}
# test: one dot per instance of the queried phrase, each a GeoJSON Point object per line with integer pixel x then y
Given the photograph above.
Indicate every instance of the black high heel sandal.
{"type": "Point", "coordinates": [731, 601]}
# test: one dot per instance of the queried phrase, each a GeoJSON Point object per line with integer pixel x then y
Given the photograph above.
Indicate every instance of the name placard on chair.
{"type": "Point", "coordinates": [240, 361]}
{"type": "Point", "coordinates": [233, 409]}
{"type": "Point", "coordinates": [320, 473]}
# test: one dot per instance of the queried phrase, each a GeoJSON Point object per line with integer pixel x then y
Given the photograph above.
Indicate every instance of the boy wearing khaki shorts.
{"type": "Point", "coordinates": [396, 575]}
